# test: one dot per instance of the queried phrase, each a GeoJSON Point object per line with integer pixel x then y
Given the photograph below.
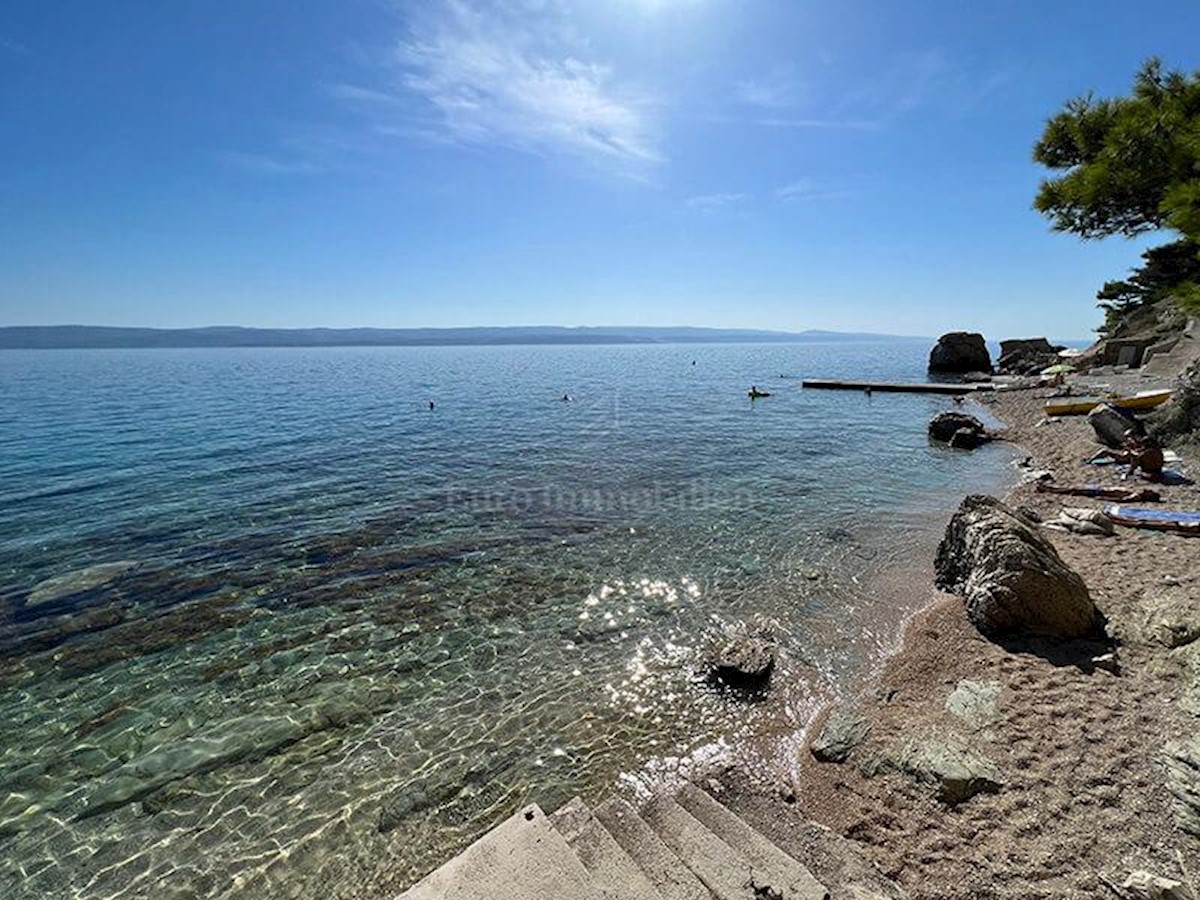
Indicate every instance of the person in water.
{"type": "Point", "coordinates": [431, 404]}
{"type": "Point", "coordinates": [1143, 453]}
{"type": "Point", "coordinates": [566, 398]}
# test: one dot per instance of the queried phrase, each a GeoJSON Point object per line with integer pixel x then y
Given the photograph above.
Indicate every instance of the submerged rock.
{"type": "Point", "coordinates": [63, 586]}
{"type": "Point", "coordinates": [234, 740]}
{"type": "Point", "coordinates": [960, 351]}
{"type": "Point", "coordinates": [842, 732]}
{"type": "Point", "coordinates": [1010, 576]}
{"type": "Point", "coordinates": [946, 762]}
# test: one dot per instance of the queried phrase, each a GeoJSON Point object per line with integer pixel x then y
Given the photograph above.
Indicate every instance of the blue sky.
{"type": "Point", "coordinates": [858, 165]}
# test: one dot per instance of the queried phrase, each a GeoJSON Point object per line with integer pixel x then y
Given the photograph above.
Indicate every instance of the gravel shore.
{"type": "Point", "coordinates": [1084, 796]}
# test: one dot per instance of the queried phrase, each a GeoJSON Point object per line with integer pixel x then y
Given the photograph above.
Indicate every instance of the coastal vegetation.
{"type": "Point", "coordinates": [1131, 166]}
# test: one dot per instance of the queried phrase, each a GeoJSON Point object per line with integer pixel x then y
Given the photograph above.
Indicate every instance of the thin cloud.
{"type": "Point", "coordinates": [852, 124]}
{"type": "Point", "coordinates": [524, 83]}
{"type": "Point", "coordinates": [14, 47]}
{"type": "Point", "coordinates": [776, 90]}
{"type": "Point", "coordinates": [270, 165]}
{"type": "Point", "coordinates": [806, 189]}
{"type": "Point", "coordinates": [355, 93]}
{"type": "Point", "coordinates": [712, 202]}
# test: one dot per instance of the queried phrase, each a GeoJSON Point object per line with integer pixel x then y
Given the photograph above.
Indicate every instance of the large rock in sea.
{"type": "Point", "coordinates": [743, 662]}
{"type": "Point", "coordinates": [958, 430]}
{"type": "Point", "coordinates": [1010, 576]}
{"type": "Point", "coordinates": [960, 351]}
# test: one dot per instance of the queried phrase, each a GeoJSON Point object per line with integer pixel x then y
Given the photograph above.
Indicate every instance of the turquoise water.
{"type": "Point", "coordinates": [269, 625]}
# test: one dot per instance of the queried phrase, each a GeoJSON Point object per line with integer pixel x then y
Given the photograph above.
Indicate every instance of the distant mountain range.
{"type": "Point", "coordinates": [69, 337]}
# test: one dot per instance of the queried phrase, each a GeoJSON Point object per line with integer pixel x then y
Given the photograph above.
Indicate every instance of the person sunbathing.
{"type": "Point", "coordinates": [1124, 495]}
{"type": "Point", "coordinates": [1143, 453]}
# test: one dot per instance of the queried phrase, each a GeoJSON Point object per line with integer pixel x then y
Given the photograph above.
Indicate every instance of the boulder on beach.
{"type": "Point", "coordinates": [841, 733]}
{"type": "Point", "coordinates": [960, 351]}
{"type": "Point", "coordinates": [1110, 424]}
{"type": "Point", "coordinates": [950, 764]}
{"type": "Point", "coordinates": [1010, 576]}
{"type": "Point", "coordinates": [1143, 885]}
{"type": "Point", "coordinates": [958, 430]}
{"type": "Point", "coordinates": [975, 702]}
{"type": "Point", "coordinates": [1181, 760]}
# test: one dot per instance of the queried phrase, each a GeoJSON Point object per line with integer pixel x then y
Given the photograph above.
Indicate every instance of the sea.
{"type": "Point", "coordinates": [301, 623]}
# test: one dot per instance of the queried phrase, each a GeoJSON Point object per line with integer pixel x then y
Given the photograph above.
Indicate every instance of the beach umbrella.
{"type": "Point", "coordinates": [1058, 369]}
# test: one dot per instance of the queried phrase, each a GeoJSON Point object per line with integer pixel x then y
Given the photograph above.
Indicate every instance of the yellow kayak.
{"type": "Point", "coordinates": [1079, 406]}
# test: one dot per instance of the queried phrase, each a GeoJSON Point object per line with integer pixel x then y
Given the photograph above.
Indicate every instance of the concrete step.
{"type": "Point", "coordinates": [724, 871]}
{"type": "Point", "coordinates": [522, 858]}
{"type": "Point", "coordinates": [614, 873]}
{"type": "Point", "coordinates": [671, 878]}
{"type": "Point", "coordinates": [796, 880]}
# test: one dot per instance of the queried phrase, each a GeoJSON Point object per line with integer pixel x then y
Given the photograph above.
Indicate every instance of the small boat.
{"type": "Point", "coordinates": [1080, 406]}
{"type": "Point", "coordinates": [1073, 406]}
{"type": "Point", "coordinates": [1159, 519]}
{"type": "Point", "coordinates": [754, 394]}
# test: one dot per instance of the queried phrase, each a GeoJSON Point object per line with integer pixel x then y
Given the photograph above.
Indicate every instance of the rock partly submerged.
{"type": "Point", "coordinates": [958, 430]}
{"type": "Point", "coordinates": [743, 662]}
{"type": "Point", "coordinates": [960, 351]}
{"type": "Point", "coordinates": [1010, 577]}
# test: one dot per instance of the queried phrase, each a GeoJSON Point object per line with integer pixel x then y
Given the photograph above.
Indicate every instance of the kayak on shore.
{"type": "Point", "coordinates": [1080, 406]}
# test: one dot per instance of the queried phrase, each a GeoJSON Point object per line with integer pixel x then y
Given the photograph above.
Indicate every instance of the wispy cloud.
{"type": "Point", "coordinates": [778, 89]}
{"type": "Point", "coordinates": [355, 93]}
{"type": "Point", "coordinates": [807, 189]}
{"type": "Point", "coordinates": [14, 47]}
{"type": "Point", "coordinates": [800, 123]}
{"type": "Point", "coordinates": [524, 81]}
{"type": "Point", "coordinates": [265, 164]}
{"type": "Point", "coordinates": [713, 202]}
{"type": "Point", "coordinates": [896, 89]}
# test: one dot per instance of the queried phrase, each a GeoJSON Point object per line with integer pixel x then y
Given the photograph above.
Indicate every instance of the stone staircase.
{"type": "Point", "coordinates": [685, 846]}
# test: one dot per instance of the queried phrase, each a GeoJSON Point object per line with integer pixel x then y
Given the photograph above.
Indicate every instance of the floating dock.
{"type": "Point", "coordinates": [896, 387]}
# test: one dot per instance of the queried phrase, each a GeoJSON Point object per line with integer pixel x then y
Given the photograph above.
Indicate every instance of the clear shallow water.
{"type": "Point", "coordinates": [268, 624]}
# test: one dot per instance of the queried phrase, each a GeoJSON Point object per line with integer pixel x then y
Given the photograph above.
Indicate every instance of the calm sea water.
{"type": "Point", "coordinates": [271, 626]}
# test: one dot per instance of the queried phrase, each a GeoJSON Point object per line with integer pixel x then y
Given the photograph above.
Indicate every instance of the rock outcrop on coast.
{"type": "Point", "coordinates": [958, 430]}
{"type": "Point", "coordinates": [1009, 575]}
{"type": "Point", "coordinates": [960, 352]}
{"type": "Point", "coordinates": [1027, 356]}
{"type": "Point", "coordinates": [1036, 737]}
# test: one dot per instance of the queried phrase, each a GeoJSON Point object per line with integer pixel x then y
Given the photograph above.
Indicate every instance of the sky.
{"type": "Point", "coordinates": [788, 164]}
